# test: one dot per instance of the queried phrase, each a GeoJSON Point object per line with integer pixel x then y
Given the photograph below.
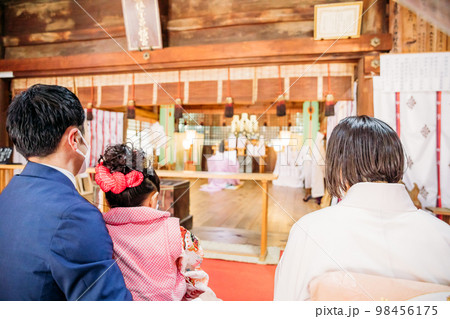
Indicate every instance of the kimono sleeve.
{"type": "Point", "coordinates": [81, 257]}
{"type": "Point", "coordinates": [291, 276]}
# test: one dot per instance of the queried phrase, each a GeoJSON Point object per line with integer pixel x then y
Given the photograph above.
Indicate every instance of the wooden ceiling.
{"type": "Point", "coordinates": [44, 38]}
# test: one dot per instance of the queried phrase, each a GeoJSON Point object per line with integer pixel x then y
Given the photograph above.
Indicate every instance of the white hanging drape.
{"type": "Point", "coordinates": [407, 96]}
{"type": "Point", "coordinates": [105, 129]}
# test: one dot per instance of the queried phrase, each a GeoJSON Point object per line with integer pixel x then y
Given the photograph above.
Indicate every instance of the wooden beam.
{"type": "Point", "coordinates": [242, 18]}
{"type": "Point", "coordinates": [62, 36]}
{"type": "Point", "coordinates": [375, 19]}
{"type": "Point", "coordinates": [372, 64]}
{"type": "Point", "coordinates": [239, 53]}
{"type": "Point", "coordinates": [264, 217]}
{"type": "Point", "coordinates": [238, 62]}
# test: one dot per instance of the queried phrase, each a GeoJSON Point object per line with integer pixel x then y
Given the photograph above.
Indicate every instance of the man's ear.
{"type": "Point", "coordinates": [72, 137]}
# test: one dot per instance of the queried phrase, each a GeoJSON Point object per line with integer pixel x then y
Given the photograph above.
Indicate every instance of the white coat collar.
{"type": "Point", "coordinates": [379, 196]}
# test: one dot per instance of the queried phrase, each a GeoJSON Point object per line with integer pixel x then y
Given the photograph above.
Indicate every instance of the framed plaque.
{"type": "Point", "coordinates": [337, 20]}
{"type": "Point", "coordinates": [142, 24]}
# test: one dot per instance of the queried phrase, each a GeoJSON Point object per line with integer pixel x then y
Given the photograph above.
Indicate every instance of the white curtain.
{"type": "Point", "coordinates": [413, 80]}
{"type": "Point", "coordinates": [105, 129]}
{"type": "Point", "coordinates": [445, 149]}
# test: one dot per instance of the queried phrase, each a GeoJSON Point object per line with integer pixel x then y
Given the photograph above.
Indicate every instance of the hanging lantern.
{"type": "Point", "coordinates": [329, 105]}
{"type": "Point", "coordinates": [229, 104]}
{"type": "Point", "coordinates": [131, 109]}
{"type": "Point", "coordinates": [281, 106]}
{"type": "Point", "coordinates": [229, 107]}
{"type": "Point", "coordinates": [178, 104]}
{"type": "Point", "coordinates": [89, 115]}
{"type": "Point", "coordinates": [329, 98]}
{"type": "Point", "coordinates": [90, 105]}
{"type": "Point", "coordinates": [131, 105]}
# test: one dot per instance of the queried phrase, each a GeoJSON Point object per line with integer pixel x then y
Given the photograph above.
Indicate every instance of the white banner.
{"type": "Point", "coordinates": [416, 72]}
{"type": "Point", "coordinates": [417, 78]}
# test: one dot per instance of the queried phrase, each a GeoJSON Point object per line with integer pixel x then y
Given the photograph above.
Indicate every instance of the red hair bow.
{"type": "Point", "coordinates": [116, 182]}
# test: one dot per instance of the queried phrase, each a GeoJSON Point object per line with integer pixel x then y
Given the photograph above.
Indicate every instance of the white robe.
{"type": "Point", "coordinates": [314, 167]}
{"type": "Point", "coordinates": [376, 230]}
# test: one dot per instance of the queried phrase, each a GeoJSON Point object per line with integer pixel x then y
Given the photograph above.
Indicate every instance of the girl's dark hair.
{"type": "Point", "coordinates": [362, 149]}
{"type": "Point", "coordinates": [124, 159]}
{"type": "Point", "coordinates": [38, 117]}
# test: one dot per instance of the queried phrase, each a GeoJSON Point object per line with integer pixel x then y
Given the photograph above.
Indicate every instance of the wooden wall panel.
{"type": "Point", "coordinates": [236, 33]}
{"type": "Point", "coordinates": [244, 11]}
{"type": "Point", "coordinates": [365, 92]}
{"type": "Point", "coordinates": [143, 94]}
{"type": "Point", "coordinates": [193, 22]}
{"type": "Point", "coordinates": [341, 86]}
{"type": "Point", "coordinates": [61, 27]}
{"type": "Point", "coordinates": [241, 91]}
{"type": "Point", "coordinates": [57, 15]}
{"type": "Point", "coordinates": [112, 95]}
{"type": "Point", "coordinates": [84, 95]}
{"type": "Point", "coordinates": [203, 92]}
{"type": "Point", "coordinates": [65, 49]}
{"type": "Point", "coordinates": [412, 34]}
{"type": "Point", "coordinates": [169, 92]}
{"type": "Point", "coordinates": [17, 91]}
{"type": "Point", "coordinates": [374, 19]}
{"type": "Point", "coordinates": [305, 89]}
{"type": "Point", "coordinates": [269, 89]}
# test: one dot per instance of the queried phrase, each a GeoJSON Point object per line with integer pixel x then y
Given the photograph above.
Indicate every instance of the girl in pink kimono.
{"type": "Point", "coordinates": [159, 259]}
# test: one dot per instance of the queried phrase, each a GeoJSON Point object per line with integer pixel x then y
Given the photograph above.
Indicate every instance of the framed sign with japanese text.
{"type": "Point", "coordinates": [337, 20]}
{"type": "Point", "coordinates": [142, 24]}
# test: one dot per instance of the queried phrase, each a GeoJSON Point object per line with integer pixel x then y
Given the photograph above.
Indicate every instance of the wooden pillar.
{"type": "Point", "coordinates": [264, 212]}
{"type": "Point", "coordinates": [375, 19]}
{"type": "Point", "coordinates": [4, 103]}
{"type": "Point", "coordinates": [365, 91]}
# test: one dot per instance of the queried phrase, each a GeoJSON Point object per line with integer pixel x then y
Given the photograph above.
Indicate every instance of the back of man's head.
{"type": "Point", "coordinates": [38, 117]}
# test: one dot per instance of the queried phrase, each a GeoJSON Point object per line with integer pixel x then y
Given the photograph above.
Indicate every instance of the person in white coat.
{"type": "Point", "coordinates": [375, 229]}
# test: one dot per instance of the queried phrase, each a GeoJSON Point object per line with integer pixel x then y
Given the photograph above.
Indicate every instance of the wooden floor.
{"type": "Point", "coordinates": [234, 216]}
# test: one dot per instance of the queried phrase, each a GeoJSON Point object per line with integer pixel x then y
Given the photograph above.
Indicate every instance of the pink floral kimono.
{"type": "Point", "coordinates": [159, 259]}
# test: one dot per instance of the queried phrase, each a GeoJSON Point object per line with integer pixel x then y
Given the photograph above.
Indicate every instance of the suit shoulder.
{"type": "Point", "coordinates": [80, 206]}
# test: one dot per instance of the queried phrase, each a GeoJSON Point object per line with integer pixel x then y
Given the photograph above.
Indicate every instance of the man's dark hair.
{"type": "Point", "coordinates": [362, 149]}
{"type": "Point", "coordinates": [38, 117]}
{"type": "Point", "coordinates": [124, 159]}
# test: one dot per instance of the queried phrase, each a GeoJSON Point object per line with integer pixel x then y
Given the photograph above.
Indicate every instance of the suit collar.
{"type": "Point", "coordinates": [46, 172]}
{"type": "Point", "coordinates": [391, 197]}
{"type": "Point", "coordinates": [68, 174]}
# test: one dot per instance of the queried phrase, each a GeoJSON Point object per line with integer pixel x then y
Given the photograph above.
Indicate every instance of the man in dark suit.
{"type": "Point", "coordinates": [53, 243]}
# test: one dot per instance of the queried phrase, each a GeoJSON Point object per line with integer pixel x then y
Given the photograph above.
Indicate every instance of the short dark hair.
{"type": "Point", "coordinates": [38, 117]}
{"type": "Point", "coordinates": [362, 149]}
{"type": "Point", "coordinates": [124, 159]}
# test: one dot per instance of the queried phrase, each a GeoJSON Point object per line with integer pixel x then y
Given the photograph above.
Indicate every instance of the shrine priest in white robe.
{"type": "Point", "coordinates": [375, 229]}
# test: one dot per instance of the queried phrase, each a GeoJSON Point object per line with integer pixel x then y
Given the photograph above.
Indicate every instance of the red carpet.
{"type": "Point", "coordinates": [235, 281]}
